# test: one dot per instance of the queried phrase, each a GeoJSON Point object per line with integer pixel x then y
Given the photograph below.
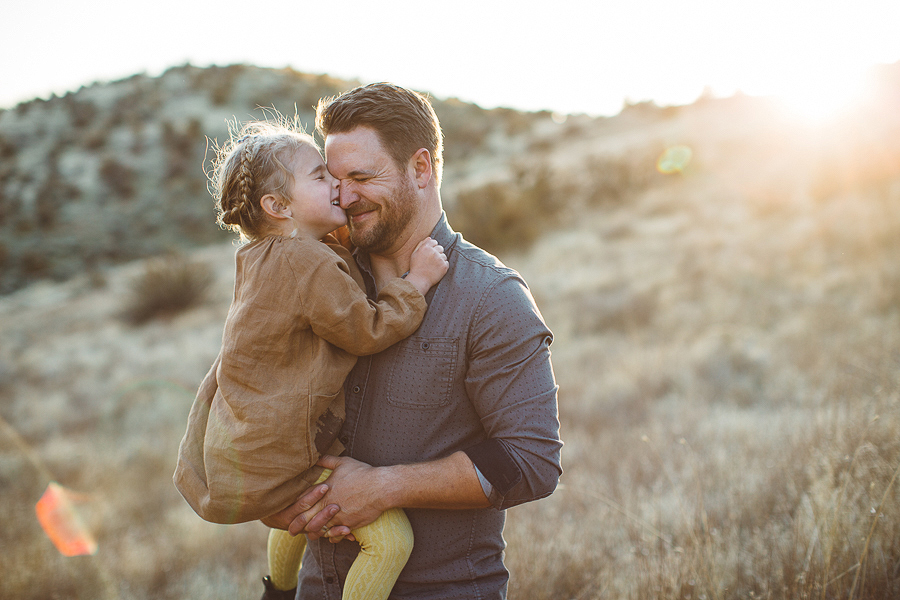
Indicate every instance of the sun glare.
{"type": "Point", "coordinates": [816, 100]}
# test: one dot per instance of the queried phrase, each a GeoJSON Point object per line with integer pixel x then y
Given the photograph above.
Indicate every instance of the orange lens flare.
{"type": "Point", "coordinates": [61, 522]}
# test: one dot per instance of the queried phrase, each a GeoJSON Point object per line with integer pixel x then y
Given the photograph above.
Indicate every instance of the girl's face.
{"type": "Point", "coordinates": [315, 196]}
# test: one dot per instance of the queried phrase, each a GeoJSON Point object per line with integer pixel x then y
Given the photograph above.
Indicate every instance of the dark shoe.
{"type": "Point", "coordinates": [273, 593]}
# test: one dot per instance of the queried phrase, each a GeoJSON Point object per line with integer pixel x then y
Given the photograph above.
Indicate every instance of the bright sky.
{"type": "Point", "coordinates": [567, 56]}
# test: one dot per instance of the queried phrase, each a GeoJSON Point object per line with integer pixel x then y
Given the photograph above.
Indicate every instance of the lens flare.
{"type": "Point", "coordinates": [60, 520]}
{"type": "Point", "coordinates": [674, 160]}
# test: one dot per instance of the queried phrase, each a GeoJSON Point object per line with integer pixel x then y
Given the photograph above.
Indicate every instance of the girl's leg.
{"type": "Point", "coordinates": [385, 546]}
{"type": "Point", "coordinates": [285, 554]}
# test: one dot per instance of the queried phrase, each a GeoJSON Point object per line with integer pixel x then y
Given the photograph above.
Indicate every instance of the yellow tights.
{"type": "Point", "coordinates": [384, 548]}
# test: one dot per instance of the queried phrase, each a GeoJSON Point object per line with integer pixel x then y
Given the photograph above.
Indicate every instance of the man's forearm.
{"type": "Point", "coordinates": [362, 492]}
{"type": "Point", "coordinates": [446, 483]}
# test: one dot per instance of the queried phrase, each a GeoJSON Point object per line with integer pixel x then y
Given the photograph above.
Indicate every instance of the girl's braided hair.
{"type": "Point", "coordinates": [254, 162]}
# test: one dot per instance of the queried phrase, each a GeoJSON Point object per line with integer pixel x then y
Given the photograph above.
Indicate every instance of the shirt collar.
{"type": "Point", "coordinates": [444, 235]}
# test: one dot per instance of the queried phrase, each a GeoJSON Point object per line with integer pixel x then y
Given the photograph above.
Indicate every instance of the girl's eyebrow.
{"type": "Point", "coordinates": [317, 169]}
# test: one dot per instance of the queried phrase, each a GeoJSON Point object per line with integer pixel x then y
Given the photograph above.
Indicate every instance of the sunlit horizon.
{"type": "Point", "coordinates": [574, 57]}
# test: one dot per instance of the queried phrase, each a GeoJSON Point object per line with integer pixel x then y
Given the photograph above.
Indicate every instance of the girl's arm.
{"type": "Point", "coordinates": [338, 310]}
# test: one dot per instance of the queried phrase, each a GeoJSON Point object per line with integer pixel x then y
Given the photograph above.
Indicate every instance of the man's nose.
{"type": "Point", "coordinates": [347, 195]}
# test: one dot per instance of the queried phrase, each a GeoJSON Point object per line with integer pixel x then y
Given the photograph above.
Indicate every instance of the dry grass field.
{"type": "Point", "coordinates": [728, 353]}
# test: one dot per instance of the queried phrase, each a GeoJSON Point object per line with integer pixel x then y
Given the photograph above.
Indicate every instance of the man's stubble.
{"type": "Point", "coordinates": [393, 217]}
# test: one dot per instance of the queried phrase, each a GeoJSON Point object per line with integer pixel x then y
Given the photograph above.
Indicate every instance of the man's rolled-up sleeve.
{"type": "Point", "coordinates": [511, 383]}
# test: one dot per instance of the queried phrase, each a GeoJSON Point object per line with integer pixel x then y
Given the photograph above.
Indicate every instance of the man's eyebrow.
{"type": "Point", "coordinates": [359, 173]}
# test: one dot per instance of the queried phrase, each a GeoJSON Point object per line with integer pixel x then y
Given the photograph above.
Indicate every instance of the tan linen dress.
{"type": "Point", "coordinates": [273, 401]}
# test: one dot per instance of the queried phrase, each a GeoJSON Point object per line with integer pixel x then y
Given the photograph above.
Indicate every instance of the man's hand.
{"type": "Point", "coordinates": [355, 488]}
{"type": "Point", "coordinates": [292, 518]}
{"type": "Point", "coordinates": [356, 494]}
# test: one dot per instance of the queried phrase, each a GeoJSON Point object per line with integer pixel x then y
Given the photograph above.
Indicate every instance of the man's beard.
{"type": "Point", "coordinates": [395, 214]}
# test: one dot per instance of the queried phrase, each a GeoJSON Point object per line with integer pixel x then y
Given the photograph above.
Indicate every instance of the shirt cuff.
{"type": "Point", "coordinates": [486, 486]}
{"type": "Point", "coordinates": [494, 464]}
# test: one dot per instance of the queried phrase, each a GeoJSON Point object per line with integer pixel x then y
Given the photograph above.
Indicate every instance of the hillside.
{"type": "Point", "coordinates": [727, 344]}
{"type": "Point", "coordinates": [116, 171]}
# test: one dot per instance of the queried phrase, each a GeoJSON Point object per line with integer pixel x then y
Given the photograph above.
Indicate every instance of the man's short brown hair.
{"type": "Point", "coordinates": [403, 119]}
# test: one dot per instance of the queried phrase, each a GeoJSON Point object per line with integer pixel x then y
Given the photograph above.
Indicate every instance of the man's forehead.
{"type": "Point", "coordinates": [358, 139]}
{"type": "Point", "coordinates": [357, 150]}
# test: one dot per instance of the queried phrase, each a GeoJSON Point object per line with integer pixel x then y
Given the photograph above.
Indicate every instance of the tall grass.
{"type": "Point", "coordinates": [737, 437]}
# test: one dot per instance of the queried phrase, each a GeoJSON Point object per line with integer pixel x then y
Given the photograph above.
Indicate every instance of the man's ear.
{"type": "Point", "coordinates": [273, 207]}
{"type": "Point", "coordinates": [420, 163]}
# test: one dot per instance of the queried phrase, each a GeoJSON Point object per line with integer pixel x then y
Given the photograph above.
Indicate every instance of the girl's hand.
{"type": "Point", "coordinates": [427, 265]}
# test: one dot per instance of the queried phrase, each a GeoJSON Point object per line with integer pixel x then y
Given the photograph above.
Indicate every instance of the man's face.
{"type": "Point", "coordinates": [379, 198]}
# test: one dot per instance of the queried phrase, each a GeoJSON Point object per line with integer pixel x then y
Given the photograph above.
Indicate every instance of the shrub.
{"type": "Point", "coordinates": [614, 178]}
{"type": "Point", "coordinates": [619, 310]}
{"type": "Point", "coordinates": [516, 122]}
{"type": "Point", "coordinates": [118, 178]}
{"type": "Point", "coordinates": [168, 286]}
{"type": "Point", "coordinates": [465, 126]}
{"type": "Point", "coordinates": [222, 83]}
{"type": "Point", "coordinates": [53, 193]}
{"type": "Point", "coordinates": [95, 138]}
{"type": "Point", "coordinates": [7, 149]}
{"type": "Point", "coordinates": [34, 264]}
{"type": "Point", "coordinates": [505, 216]}
{"type": "Point", "coordinates": [81, 113]}
{"type": "Point", "coordinates": [182, 147]}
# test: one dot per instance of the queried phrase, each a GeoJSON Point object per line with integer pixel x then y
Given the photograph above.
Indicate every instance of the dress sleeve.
{"type": "Point", "coordinates": [511, 383]}
{"type": "Point", "coordinates": [339, 311]}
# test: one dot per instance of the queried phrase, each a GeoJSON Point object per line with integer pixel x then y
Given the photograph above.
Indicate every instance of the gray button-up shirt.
{"type": "Point", "coordinates": [476, 377]}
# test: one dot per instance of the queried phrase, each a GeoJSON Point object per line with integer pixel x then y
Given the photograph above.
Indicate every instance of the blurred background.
{"type": "Point", "coordinates": [703, 197]}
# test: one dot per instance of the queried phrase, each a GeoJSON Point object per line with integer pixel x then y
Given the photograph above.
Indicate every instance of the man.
{"type": "Point", "coordinates": [454, 424]}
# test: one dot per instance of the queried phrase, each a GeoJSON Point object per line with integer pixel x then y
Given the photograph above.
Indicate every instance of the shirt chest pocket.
{"type": "Point", "coordinates": [423, 372]}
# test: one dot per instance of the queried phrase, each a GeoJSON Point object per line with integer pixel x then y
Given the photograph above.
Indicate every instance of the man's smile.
{"type": "Point", "coordinates": [358, 210]}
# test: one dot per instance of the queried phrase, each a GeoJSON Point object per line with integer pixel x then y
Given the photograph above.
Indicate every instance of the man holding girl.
{"type": "Point", "coordinates": [455, 423]}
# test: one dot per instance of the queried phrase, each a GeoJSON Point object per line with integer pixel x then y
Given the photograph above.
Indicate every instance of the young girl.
{"type": "Point", "coordinates": [273, 401]}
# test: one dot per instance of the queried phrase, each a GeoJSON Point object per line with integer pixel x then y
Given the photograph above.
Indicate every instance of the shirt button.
{"type": "Point", "coordinates": [425, 345]}
{"type": "Point", "coordinates": [356, 389]}
{"type": "Point", "coordinates": [345, 439]}
{"type": "Point", "coordinates": [329, 579]}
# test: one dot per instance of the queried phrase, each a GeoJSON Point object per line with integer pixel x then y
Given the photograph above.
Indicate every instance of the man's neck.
{"type": "Point", "coordinates": [395, 262]}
